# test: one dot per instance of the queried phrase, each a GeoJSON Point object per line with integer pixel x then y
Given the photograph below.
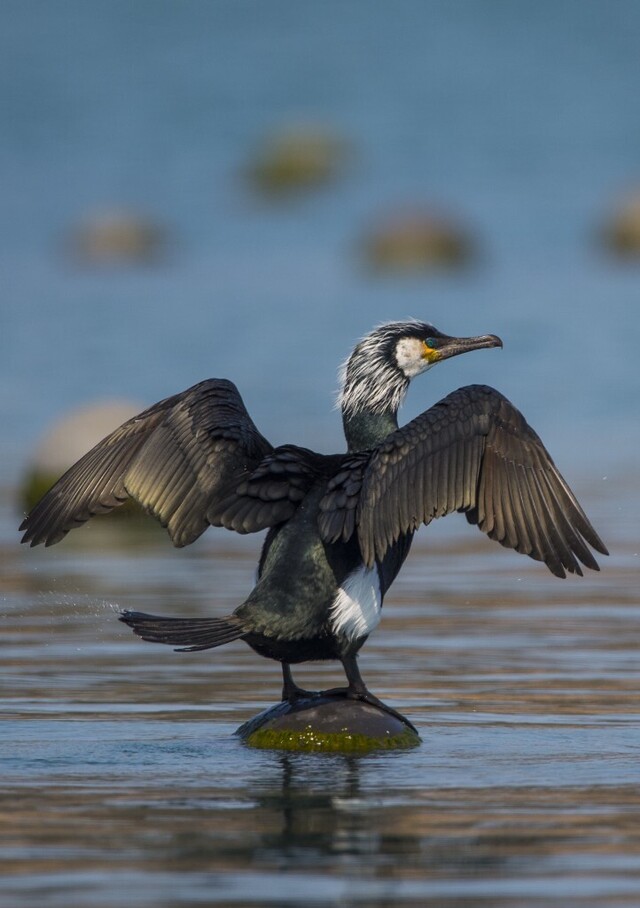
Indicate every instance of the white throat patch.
{"type": "Point", "coordinates": [410, 357]}
{"type": "Point", "coordinates": [356, 609]}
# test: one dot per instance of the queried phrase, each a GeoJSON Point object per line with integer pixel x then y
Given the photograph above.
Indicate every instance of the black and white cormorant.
{"type": "Point", "coordinates": [339, 526]}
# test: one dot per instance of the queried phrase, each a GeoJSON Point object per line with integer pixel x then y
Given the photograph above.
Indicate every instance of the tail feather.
{"type": "Point", "coordinates": [187, 634]}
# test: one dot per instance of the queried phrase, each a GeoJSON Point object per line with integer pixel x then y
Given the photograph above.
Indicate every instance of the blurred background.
{"type": "Point", "coordinates": [242, 189]}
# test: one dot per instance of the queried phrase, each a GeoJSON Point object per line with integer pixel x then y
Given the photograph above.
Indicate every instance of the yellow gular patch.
{"type": "Point", "coordinates": [428, 353]}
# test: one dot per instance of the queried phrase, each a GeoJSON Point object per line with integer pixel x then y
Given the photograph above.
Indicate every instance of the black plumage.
{"type": "Point", "coordinates": [340, 526]}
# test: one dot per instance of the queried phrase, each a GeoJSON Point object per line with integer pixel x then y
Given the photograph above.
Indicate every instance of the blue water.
{"type": "Point", "coordinates": [520, 119]}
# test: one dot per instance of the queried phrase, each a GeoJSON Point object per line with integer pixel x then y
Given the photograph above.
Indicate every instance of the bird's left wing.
{"type": "Point", "coordinates": [183, 459]}
{"type": "Point", "coordinates": [472, 452]}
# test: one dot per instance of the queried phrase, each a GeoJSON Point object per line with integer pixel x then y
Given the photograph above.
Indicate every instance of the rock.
{"type": "Point", "coordinates": [297, 159]}
{"type": "Point", "coordinates": [67, 441]}
{"type": "Point", "coordinates": [622, 234]}
{"type": "Point", "coordinates": [116, 237]}
{"type": "Point", "coordinates": [328, 724]}
{"type": "Point", "coordinates": [417, 241]}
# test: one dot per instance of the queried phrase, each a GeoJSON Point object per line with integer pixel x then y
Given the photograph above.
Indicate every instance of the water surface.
{"type": "Point", "coordinates": [123, 782]}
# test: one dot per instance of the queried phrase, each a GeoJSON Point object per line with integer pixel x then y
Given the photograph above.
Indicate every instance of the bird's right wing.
{"type": "Point", "coordinates": [472, 452]}
{"type": "Point", "coordinates": [183, 460]}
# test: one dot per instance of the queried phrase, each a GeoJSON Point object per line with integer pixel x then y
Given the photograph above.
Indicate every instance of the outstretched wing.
{"type": "Point", "coordinates": [471, 452]}
{"type": "Point", "coordinates": [183, 459]}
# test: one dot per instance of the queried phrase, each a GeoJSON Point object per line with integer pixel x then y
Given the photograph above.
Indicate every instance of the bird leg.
{"type": "Point", "coordinates": [290, 690]}
{"type": "Point", "coordinates": [358, 690]}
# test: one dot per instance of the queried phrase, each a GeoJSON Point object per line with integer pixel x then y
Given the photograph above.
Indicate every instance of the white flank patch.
{"type": "Point", "coordinates": [356, 608]}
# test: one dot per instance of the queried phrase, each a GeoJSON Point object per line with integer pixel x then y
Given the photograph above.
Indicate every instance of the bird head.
{"type": "Point", "coordinates": [376, 376]}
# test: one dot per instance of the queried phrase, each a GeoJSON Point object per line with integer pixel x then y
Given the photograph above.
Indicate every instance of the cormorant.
{"type": "Point", "coordinates": [339, 526]}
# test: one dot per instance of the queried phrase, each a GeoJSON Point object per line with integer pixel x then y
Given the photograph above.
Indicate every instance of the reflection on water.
{"type": "Point", "coordinates": [123, 784]}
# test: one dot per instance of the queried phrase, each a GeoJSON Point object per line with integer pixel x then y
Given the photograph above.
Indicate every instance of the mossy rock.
{"type": "Point", "coordinates": [622, 234]}
{"type": "Point", "coordinates": [118, 237]}
{"type": "Point", "coordinates": [328, 724]}
{"type": "Point", "coordinates": [417, 241]}
{"type": "Point", "coordinates": [296, 160]}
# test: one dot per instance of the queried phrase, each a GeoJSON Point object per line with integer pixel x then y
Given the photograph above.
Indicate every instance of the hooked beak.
{"type": "Point", "coordinates": [453, 346]}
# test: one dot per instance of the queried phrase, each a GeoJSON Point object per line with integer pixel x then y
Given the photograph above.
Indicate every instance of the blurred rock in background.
{"type": "Point", "coordinates": [621, 234]}
{"type": "Point", "coordinates": [417, 240]}
{"type": "Point", "coordinates": [117, 237]}
{"type": "Point", "coordinates": [298, 158]}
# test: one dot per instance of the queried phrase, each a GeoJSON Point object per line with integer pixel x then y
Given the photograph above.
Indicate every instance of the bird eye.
{"type": "Point", "coordinates": [431, 342]}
